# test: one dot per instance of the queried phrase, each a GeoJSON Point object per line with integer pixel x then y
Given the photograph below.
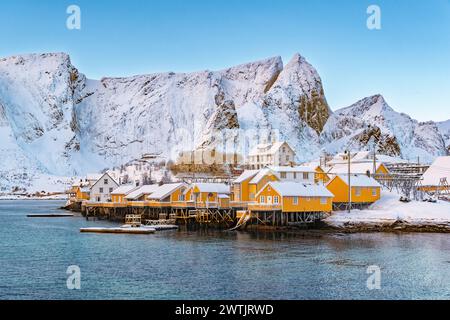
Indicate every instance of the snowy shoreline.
{"type": "Point", "coordinates": [389, 214]}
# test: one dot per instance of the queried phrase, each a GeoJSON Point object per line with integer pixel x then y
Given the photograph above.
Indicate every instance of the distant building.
{"type": "Point", "coordinates": [101, 190]}
{"type": "Point", "coordinates": [264, 155]}
{"type": "Point", "coordinates": [302, 174]}
{"type": "Point", "coordinates": [437, 177]}
{"type": "Point", "coordinates": [365, 168]}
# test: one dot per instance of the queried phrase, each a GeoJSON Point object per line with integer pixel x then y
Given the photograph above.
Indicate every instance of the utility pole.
{"type": "Point", "coordinates": [349, 182]}
{"type": "Point", "coordinates": [374, 163]}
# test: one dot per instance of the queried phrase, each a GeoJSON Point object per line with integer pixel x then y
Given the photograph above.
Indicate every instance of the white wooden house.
{"type": "Point", "coordinates": [102, 189]}
{"type": "Point", "coordinates": [276, 154]}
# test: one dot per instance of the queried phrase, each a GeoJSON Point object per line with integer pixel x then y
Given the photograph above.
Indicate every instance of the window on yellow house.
{"type": "Point", "coordinates": [262, 199]}
{"type": "Point", "coordinates": [275, 199]}
{"type": "Point", "coordinates": [323, 200]}
{"type": "Point", "coordinates": [295, 200]}
{"type": "Point", "coordinates": [181, 197]}
{"type": "Point", "coordinates": [374, 192]}
{"type": "Point", "coordinates": [358, 191]}
{"type": "Point", "coordinates": [252, 196]}
{"type": "Point", "coordinates": [308, 199]}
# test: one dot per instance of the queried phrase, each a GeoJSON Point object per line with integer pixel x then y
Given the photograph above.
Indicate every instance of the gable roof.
{"type": "Point", "coordinates": [439, 169]}
{"type": "Point", "coordinates": [261, 174]}
{"type": "Point", "coordinates": [93, 176]}
{"type": "Point", "coordinates": [247, 174]}
{"type": "Point", "coordinates": [213, 187]}
{"type": "Point", "coordinates": [357, 168]}
{"type": "Point", "coordinates": [103, 177]}
{"type": "Point", "coordinates": [291, 169]}
{"type": "Point", "coordinates": [296, 189]}
{"type": "Point", "coordinates": [268, 148]}
{"type": "Point", "coordinates": [165, 190]}
{"type": "Point", "coordinates": [358, 180]}
{"type": "Point", "coordinates": [141, 191]}
{"type": "Point", "coordinates": [124, 189]}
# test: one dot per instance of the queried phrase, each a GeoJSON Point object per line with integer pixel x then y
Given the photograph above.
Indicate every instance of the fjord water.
{"type": "Point", "coordinates": [35, 255]}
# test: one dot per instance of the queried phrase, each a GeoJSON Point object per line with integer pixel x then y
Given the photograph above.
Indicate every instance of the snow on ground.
{"type": "Point", "coordinates": [389, 209]}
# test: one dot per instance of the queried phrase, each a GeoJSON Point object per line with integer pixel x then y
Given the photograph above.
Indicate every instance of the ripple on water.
{"type": "Point", "coordinates": [35, 254]}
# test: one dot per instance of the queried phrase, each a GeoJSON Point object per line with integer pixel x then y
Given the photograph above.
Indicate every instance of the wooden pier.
{"type": "Point", "coordinates": [200, 214]}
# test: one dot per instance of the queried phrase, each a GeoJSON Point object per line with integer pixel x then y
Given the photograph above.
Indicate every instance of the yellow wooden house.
{"type": "Point", "coordinates": [169, 194]}
{"type": "Point", "coordinates": [291, 197]}
{"type": "Point", "coordinates": [79, 193]}
{"type": "Point", "coordinates": [263, 177]}
{"type": "Point", "coordinates": [364, 190]}
{"type": "Point", "coordinates": [209, 195]}
{"type": "Point", "coordinates": [320, 176]}
{"type": "Point", "coordinates": [240, 187]}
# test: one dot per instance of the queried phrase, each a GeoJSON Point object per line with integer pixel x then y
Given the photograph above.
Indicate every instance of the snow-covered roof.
{"type": "Point", "coordinates": [247, 174]}
{"type": "Point", "coordinates": [93, 176]}
{"type": "Point", "coordinates": [142, 191]}
{"type": "Point", "coordinates": [311, 164]}
{"type": "Point", "coordinates": [389, 159]}
{"type": "Point", "coordinates": [291, 169]}
{"type": "Point", "coordinates": [362, 155]}
{"type": "Point", "coordinates": [263, 149]}
{"type": "Point", "coordinates": [439, 169]}
{"type": "Point", "coordinates": [212, 187]}
{"type": "Point", "coordinates": [261, 174]}
{"type": "Point", "coordinates": [85, 190]}
{"type": "Point", "coordinates": [295, 189]}
{"type": "Point", "coordinates": [165, 190]}
{"type": "Point", "coordinates": [358, 168]}
{"type": "Point", "coordinates": [360, 180]}
{"type": "Point", "coordinates": [223, 196]}
{"type": "Point", "coordinates": [124, 189]}
{"type": "Point", "coordinates": [102, 177]}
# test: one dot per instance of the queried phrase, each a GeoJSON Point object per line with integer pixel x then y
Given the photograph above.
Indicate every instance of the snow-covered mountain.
{"type": "Point", "coordinates": [444, 128]}
{"type": "Point", "coordinates": [373, 120]}
{"type": "Point", "coordinates": [53, 120]}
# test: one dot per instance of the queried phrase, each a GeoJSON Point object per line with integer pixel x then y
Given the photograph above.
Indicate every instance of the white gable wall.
{"type": "Point", "coordinates": [102, 189]}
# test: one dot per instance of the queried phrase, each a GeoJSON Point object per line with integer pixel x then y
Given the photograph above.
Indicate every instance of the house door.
{"type": "Point", "coordinates": [269, 199]}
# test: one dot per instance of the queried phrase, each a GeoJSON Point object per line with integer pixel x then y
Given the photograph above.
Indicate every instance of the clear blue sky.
{"type": "Point", "coordinates": [408, 60]}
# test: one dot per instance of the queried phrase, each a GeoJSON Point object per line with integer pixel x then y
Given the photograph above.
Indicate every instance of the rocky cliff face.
{"type": "Point", "coordinates": [444, 129]}
{"type": "Point", "coordinates": [53, 120]}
